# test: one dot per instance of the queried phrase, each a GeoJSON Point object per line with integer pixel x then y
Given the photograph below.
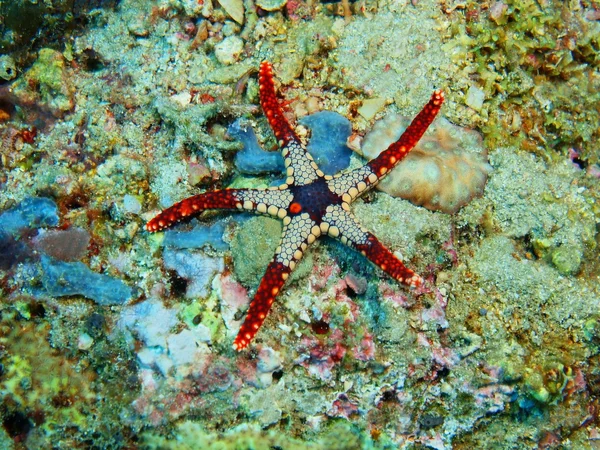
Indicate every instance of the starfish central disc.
{"type": "Point", "coordinates": [313, 198]}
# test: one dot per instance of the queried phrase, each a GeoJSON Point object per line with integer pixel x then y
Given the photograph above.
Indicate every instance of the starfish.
{"type": "Point", "coordinates": [310, 204]}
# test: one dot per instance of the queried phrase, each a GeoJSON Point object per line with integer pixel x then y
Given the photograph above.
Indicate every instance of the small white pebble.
{"type": "Point", "coordinates": [371, 107]}
{"type": "Point", "coordinates": [182, 98]}
{"type": "Point", "coordinates": [228, 51]}
{"type": "Point", "coordinates": [304, 316]}
{"type": "Point", "coordinates": [85, 341]}
{"type": "Point", "coordinates": [146, 357]}
{"type": "Point", "coordinates": [475, 98]}
{"type": "Point", "coordinates": [131, 204]}
{"type": "Point", "coordinates": [285, 328]}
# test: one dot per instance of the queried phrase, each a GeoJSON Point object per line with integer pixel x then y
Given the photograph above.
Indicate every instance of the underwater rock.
{"type": "Point", "coordinates": [271, 5]}
{"type": "Point", "coordinates": [252, 159]}
{"type": "Point", "coordinates": [131, 204]}
{"type": "Point", "coordinates": [566, 259]}
{"type": "Point", "coordinates": [151, 321]}
{"type": "Point", "coordinates": [252, 247]}
{"type": "Point", "coordinates": [327, 144]}
{"type": "Point", "coordinates": [445, 170]}
{"type": "Point", "coordinates": [184, 348]}
{"type": "Point", "coordinates": [235, 9]}
{"type": "Point", "coordinates": [233, 297]}
{"type": "Point", "coordinates": [475, 98]}
{"type": "Point", "coordinates": [47, 84]}
{"type": "Point", "coordinates": [228, 51]}
{"type": "Point", "coordinates": [61, 279]}
{"type": "Point", "coordinates": [371, 107]}
{"type": "Point", "coordinates": [64, 245]}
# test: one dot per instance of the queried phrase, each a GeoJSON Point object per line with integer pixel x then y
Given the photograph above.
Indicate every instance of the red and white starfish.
{"type": "Point", "coordinates": [309, 203]}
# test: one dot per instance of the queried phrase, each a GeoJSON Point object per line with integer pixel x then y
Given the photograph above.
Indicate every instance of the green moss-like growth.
{"type": "Point", "coordinates": [47, 83]}
{"type": "Point", "coordinates": [546, 385]}
{"type": "Point", "coordinates": [591, 334]}
{"type": "Point", "coordinates": [535, 62]}
{"type": "Point", "coordinates": [338, 435]}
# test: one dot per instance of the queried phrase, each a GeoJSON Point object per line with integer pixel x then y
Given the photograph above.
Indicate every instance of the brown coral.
{"type": "Point", "coordinates": [446, 169]}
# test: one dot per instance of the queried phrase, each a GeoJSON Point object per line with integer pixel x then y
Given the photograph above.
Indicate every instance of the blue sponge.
{"type": "Point", "coordinates": [327, 145]}
{"type": "Point", "coordinates": [33, 212]}
{"type": "Point", "coordinates": [252, 159]}
{"type": "Point", "coordinates": [75, 278]}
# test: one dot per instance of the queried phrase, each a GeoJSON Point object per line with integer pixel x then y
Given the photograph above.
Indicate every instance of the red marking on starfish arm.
{"type": "Point", "coordinates": [268, 100]}
{"type": "Point", "coordinates": [390, 264]}
{"type": "Point", "coordinates": [268, 289]}
{"type": "Point", "coordinates": [399, 149]}
{"type": "Point", "coordinates": [192, 206]}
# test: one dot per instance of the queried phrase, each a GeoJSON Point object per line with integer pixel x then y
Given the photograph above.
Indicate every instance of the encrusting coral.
{"type": "Point", "coordinates": [445, 170]}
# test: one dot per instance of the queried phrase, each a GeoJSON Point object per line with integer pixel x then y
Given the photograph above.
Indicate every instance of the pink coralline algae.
{"type": "Point", "coordinates": [365, 350]}
{"type": "Point", "coordinates": [259, 372]}
{"type": "Point", "coordinates": [343, 406]}
{"type": "Point", "coordinates": [444, 171]}
{"type": "Point", "coordinates": [319, 357]}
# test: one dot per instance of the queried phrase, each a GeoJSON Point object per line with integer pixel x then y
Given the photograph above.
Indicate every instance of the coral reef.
{"type": "Point", "coordinates": [197, 237]}
{"type": "Point", "coordinates": [30, 213]}
{"type": "Point", "coordinates": [127, 110]}
{"type": "Point", "coordinates": [446, 169]}
{"type": "Point", "coordinates": [20, 220]}
{"type": "Point", "coordinates": [28, 25]}
{"type": "Point", "coordinates": [64, 245]}
{"type": "Point", "coordinates": [58, 278]}
{"type": "Point", "coordinates": [198, 269]}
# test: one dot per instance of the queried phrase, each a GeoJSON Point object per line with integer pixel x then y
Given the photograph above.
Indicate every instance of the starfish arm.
{"type": "Point", "coordinates": [269, 287]}
{"type": "Point", "coordinates": [352, 184]}
{"type": "Point", "coordinates": [300, 167]}
{"type": "Point", "coordinates": [343, 225]}
{"type": "Point", "coordinates": [272, 202]}
{"type": "Point", "coordinates": [270, 105]}
{"type": "Point", "coordinates": [298, 233]}
{"type": "Point", "coordinates": [388, 262]}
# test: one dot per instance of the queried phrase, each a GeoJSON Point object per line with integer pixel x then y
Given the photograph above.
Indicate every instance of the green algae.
{"type": "Point", "coordinates": [340, 435]}
{"type": "Point", "coordinates": [47, 83]}
{"type": "Point", "coordinates": [204, 312]}
{"type": "Point", "coordinates": [567, 259]}
{"type": "Point", "coordinates": [535, 63]}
